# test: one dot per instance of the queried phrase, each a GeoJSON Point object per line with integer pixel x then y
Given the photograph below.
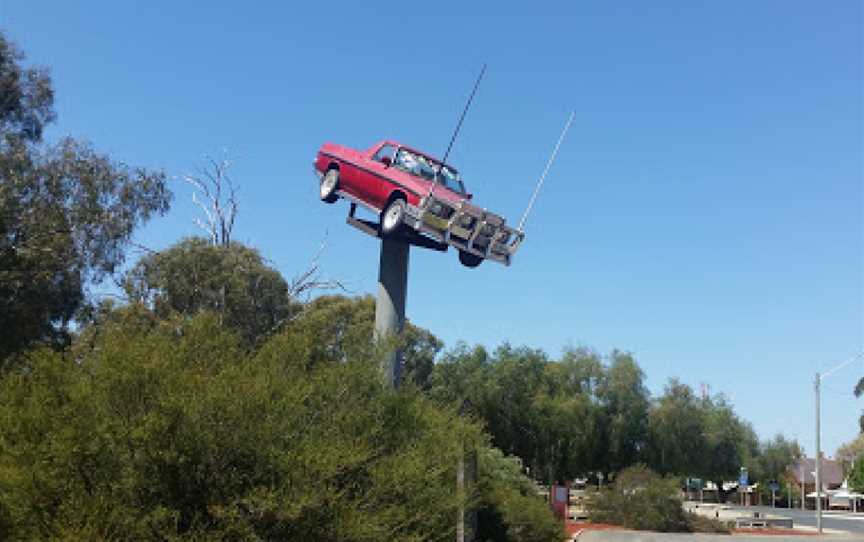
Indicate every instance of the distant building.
{"type": "Point", "coordinates": [804, 471]}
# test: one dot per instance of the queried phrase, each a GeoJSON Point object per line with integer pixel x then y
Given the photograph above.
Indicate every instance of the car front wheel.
{"type": "Point", "coordinates": [469, 260]}
{"type": "Point", "coordinates": [329, 184]}
{"type": "Point", "coordinates": [391, 218]}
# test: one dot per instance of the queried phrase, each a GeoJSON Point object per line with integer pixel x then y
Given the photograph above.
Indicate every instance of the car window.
{"type": "Point", "coordinates": [386, 151]}
{"type": "Point", "coordinates": [426, 168]}
{"type": "Point", "coordinates": [451, 180]}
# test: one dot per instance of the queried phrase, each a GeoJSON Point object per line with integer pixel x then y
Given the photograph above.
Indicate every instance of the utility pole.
{"type": "Point", "coordinates": [818, 462]}
{"type": "Point", "coordinates": [803, 506]}
{"type": "Point", "coordinates": [817, 388]}
{"type": "Point", "coordinates": [390, 305]}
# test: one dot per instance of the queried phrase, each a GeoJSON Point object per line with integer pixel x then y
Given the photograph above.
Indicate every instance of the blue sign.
{"type": "Point", "coordinates": [743, 478]}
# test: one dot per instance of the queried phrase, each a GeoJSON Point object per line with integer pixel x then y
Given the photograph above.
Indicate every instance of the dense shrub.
{"type": "Point", "coordinates": [509, 508]}
{"type": "Point", "coordinates": [173, 430]}
{"type": "Point", "coordinates": [702, 524]}
{"type": "Point", "coordinates": [640, 499]}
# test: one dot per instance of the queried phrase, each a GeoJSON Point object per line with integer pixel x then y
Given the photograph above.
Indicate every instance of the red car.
{"type": "Point", "coordinates": [409, 188]}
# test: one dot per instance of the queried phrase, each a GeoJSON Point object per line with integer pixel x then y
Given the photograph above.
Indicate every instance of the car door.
{"type": "Point", "coordinates": [379, 173]}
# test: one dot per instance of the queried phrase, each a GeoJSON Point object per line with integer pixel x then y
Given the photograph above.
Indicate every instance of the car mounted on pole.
{"type": "Point", "coordinates": [419, 199]}
{"type": "Point", "coordinates": [416, 197]}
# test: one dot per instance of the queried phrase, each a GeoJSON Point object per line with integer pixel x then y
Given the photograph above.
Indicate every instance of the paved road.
{"type": "Point", "coordinates": [853, 524]}
{"type": "Point", "coordinates": [624, 536]}
{"type": "Point", "coordinates": [843, 521]}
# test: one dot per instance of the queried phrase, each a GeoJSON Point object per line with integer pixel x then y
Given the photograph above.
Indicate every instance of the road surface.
{"type": "Point", "coordinates": [625, 536]}
{"type": "Point", "coordinates": [843, 521]}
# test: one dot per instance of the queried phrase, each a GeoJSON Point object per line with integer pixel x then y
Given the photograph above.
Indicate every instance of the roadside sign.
{"type": "Point", "coordinates": [774, 485]}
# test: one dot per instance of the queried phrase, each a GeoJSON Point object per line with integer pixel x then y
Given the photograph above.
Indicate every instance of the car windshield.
{"type": "Point", "coordinates": [425, 167]}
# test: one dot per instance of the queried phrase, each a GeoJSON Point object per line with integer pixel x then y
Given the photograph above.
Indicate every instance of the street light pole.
{"type": "Point", "coordinates": [803, 485]}
{"type": "Point", "coordinates": [818, 461]}
{"type": "Point", "coordinates": [817, 388]}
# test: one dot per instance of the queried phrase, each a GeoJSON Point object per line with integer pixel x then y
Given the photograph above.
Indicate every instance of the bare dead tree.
{"type": "Point", "coordinates": [216, 196]}
{"type": "Point", "coordinates": [303, 284]}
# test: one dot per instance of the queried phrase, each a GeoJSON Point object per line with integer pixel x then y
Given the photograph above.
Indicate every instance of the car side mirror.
{"type": "Point", "coordinates": [386, 160]}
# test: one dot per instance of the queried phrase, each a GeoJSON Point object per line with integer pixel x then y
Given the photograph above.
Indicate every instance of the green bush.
{"type": "Point", "coordinates": [640, 499]}
{"type": "Point", "coordinates": [509, 509]}
{"type": "Point", "coordinates": [173, 430]}
{"type": "Point", "coordinates": [702, 524]}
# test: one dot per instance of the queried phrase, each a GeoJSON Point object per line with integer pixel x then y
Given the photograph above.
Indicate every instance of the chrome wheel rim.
{"type": "Point", "coordinates": [393, 216]}
{"type": "Point", "coordinates": [328, 184]}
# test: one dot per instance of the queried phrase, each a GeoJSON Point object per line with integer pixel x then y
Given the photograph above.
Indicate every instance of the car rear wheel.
{"type": "Point", "coordinates": [392, 216]}
{"type": "Point", "coordinates": [329, 185]}
{"type": "Point", "coordinates": [469, 260]}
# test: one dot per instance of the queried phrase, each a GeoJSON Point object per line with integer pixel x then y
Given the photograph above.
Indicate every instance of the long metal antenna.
{"type": "Point", "coordinates": [456, 131]}
{"type": "Point", "coordinates": [464, 112]}
{"type": "Point", "coordinates": [545, 171]}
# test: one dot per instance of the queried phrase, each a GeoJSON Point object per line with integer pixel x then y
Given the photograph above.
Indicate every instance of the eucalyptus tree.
{"type": "Point", "coordinates": [67, 212]}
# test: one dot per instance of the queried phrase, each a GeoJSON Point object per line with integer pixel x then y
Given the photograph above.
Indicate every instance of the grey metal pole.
{"type": "Point", "coordinates": [460, 489]}
{"type": "Point", "coordinates": [818, 462]}
{"type": "Point", "coordinates": [471, 466]}
{"type": "Point", "coordinates": [803, 505]}
{"type": "Point", "coordinates": [390, 305]}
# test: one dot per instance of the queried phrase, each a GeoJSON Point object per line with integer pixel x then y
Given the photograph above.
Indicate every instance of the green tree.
{"type": "Point", "coordinates": [701, 437]}
{"type": "Point", "coordinates": [335, 327]}
{"type": "Point", "coordinates": [676, 425]}
{"type": "Point", "coordinates": [580, 370]}
{"type": "Point", "coordinates": [462, 375]}
{"type": "Point", "coordinates": [569, 437]}
{"type": "Point", "coordinates": [67, 213]}
{"type": "Point", "coordinates": [858, 390]}
{"type": "Point", "coordinates": [849, 452]}
{"type": "Point", "coordinates": [516, 378]}
{"type": "Point", "coordinates": [731, 443]}
{"type": "Point", "coordinates": [420, 348]}
{"type": "Point", "coordinates": [625, 403]}
{"type": "Point", "coordinates": [231, 280]}
{"type": "Point", "coordinates": [852, 450]}
{"type": "Point", "coordinates": [777, 455]}
{"type": "Point", "coordinates": [545, 412]}
{"type": "Point", "coordinates": [856, 476]}
{"type": "Point", "coordinates": [508, 508]}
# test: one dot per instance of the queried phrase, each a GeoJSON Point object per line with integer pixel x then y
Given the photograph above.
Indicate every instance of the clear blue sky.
{"type": "Point", "coordinates": [705, 212]}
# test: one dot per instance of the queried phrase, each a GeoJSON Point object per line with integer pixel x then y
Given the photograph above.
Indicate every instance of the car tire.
{"type": "Point", "coordinates": [469, 260]}
{"type": "Point", "coordinates": [329, 185]}
{"type": "Point", "coordinates": [392, 216]}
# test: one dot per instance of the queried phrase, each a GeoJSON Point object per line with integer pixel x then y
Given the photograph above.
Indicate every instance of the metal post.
{"type": "Point", "coordinates": [471, 480]}
{"type": "Point", "coordinates": [803, 494]}
{"type": "Point", "coordinates": [466, 477]}
{"type": "Point", "coordinates": [460, 489]}
{"type": "Point", "coordinates": [390, 305]}
{"type": "Point", "coordinates": [818, 463]}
